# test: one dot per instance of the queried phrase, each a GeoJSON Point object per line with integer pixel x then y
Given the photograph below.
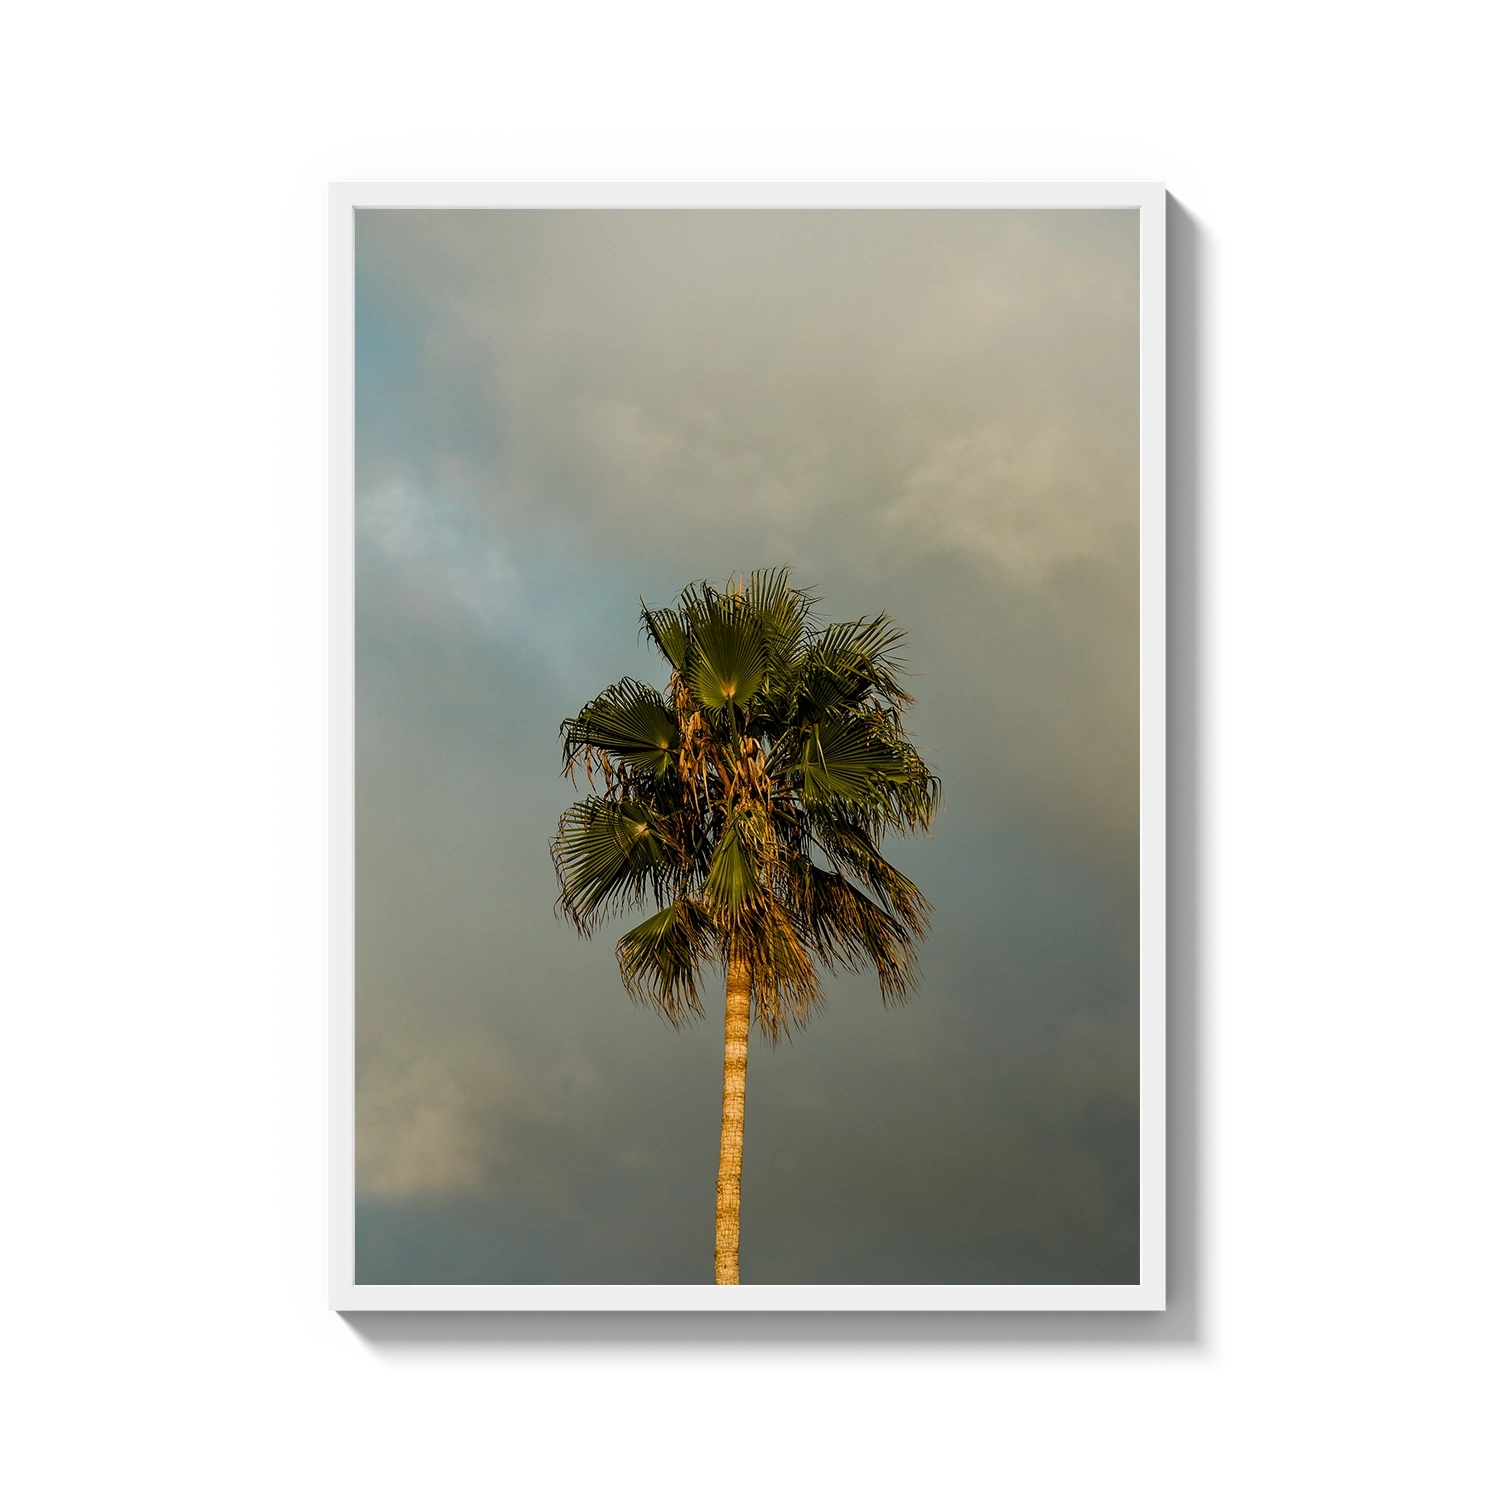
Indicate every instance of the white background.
{"type": "Point", "coordinates": [1335, 828]}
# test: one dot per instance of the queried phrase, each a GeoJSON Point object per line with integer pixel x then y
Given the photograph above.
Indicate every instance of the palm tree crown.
{"type": "Point", "coordinates": [749, 801]}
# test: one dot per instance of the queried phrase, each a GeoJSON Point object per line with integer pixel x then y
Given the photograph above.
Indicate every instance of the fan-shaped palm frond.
{"type": "Point", "coordinates": [783, 612]}
{"type": "Point", "coordinates": [660, 959]}
{"type": "Point", "coordinates": [608, 855]}
{"type": "Point", "coordinates": [628, 721]}
{"type": "Point", "coordinates": [726, 655]}
{"type": "Point", "coordinates": [864, 657]}
{"type": "Point", "coordinates": [731, 873]}
{"type": "Point", "coordinates": [850, 929]}
{"type": "Point", "coordinates": [668, 632]}
{"type": "Point", "coordinates": [844, 761]}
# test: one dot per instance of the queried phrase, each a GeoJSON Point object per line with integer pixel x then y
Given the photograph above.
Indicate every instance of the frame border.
{"type": "Point", "coordinates": [1193, 1334]}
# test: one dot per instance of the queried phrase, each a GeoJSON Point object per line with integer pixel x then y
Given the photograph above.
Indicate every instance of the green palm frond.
{"type": "Point", "coordinates": [844, 761]}
{"type": "Point", "coordinates": [607, 856]}
{"type": "Point", "coordinates": [629, 721]}
{"type": "Point", "coordinates": [731, 874]}
{"type": "Point", "coordinates": [783, 612]}
{"type": "Point", "coordinates": [726, 656]}
{"type": "Point", "coordinates": [864, 656]}
{"type": "Point", "coordinates": [660, 959]}
{"type": "Point", "coordinates": [855, 855]}
{"type": "Point", "coordinates": [846, 927]}
{"type": "Point", "coordinates": [822, 692]}
{"type": "Point", "coordinates": [668, 631]}
{"type": "Point", "coordinates": [912, 800]}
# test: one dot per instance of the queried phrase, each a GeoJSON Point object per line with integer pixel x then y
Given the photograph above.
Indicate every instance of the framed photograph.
{"type": "Point", "coordinates": [748, 747]}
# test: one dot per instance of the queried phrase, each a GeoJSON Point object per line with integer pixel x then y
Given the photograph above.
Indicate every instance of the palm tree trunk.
{"type": "Point", "coordinates": [732, 1126]}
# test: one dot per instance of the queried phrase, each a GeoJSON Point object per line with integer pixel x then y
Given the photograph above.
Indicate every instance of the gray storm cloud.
{"type": "Point", "coordinates": [929, 413]}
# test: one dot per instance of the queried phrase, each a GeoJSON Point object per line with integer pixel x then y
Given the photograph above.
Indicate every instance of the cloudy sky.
{"type": "Point", "coordinates": [931, 413]}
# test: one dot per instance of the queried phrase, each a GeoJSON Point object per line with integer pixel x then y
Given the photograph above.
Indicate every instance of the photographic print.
{"type": "Point", "coordinates": [747, 665]}
{"type": "Point", "coordinates": [783, 516]}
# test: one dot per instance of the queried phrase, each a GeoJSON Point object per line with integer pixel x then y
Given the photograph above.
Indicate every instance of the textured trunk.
{"type": "Point", "coordinates": [732, 1126]}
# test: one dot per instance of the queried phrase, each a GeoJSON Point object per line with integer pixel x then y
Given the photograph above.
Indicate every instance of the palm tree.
{"type": "Point", "coordinates": [749, 801]}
